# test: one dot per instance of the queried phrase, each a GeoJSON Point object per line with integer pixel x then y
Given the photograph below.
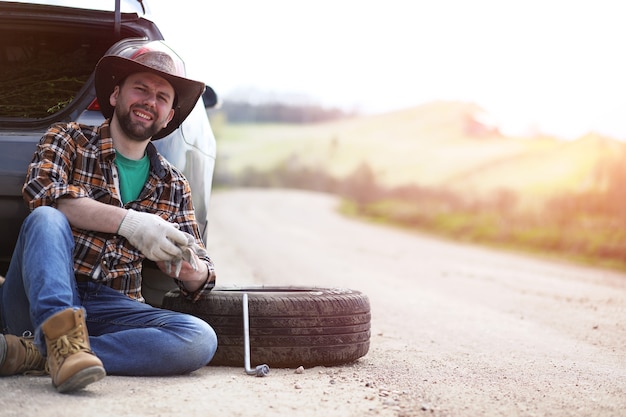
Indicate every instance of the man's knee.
{"type": "Point", "coordinates": [50, 217]}
{"type": "Point", "coordinates": [205, 343]}
{"type": "Point", "coordinates": [47, 213]}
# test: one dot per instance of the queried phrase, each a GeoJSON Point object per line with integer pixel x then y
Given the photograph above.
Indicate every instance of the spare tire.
{"type": "Point", "coordinates": [289, 326]}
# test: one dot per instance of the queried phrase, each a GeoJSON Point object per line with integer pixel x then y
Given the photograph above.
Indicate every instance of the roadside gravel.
{"type": "Point", "coordinates": [457, 330]}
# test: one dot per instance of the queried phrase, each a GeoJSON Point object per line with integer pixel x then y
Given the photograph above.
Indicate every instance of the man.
{"type": "Point", "coordinates": [102, 200]}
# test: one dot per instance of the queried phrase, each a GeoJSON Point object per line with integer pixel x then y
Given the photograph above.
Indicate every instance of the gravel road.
{"type": "Point", "coordinates": [457, 330]}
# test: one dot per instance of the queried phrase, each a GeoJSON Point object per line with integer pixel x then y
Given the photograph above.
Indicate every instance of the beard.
{"type": "Point", "coordinates": [136, 130]}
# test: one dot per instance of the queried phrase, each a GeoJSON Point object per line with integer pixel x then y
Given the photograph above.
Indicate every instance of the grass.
{"type": "Point", "coordinates": [480, 187]}
{"type": "Point", "coordinates": [428, 145]}
{"type": "Point", "coordinates": [604, 247]}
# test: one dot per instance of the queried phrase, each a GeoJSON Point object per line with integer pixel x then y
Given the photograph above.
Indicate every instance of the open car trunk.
{"type": "Point", "coordinates": [47, 58]}
{"type": "Point", "coordinates": [48, 54]}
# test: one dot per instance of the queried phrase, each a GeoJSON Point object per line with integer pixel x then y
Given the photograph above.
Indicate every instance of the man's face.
{"type": "Point", "coordinates": [143, 105]}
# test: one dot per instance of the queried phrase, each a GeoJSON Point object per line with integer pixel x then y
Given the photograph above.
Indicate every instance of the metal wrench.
{"type": "Point", "coordinates": [261, 370]}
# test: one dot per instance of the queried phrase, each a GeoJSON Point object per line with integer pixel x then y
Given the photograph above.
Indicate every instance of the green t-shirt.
{"type": "Point", "coordinates": [133, 175]}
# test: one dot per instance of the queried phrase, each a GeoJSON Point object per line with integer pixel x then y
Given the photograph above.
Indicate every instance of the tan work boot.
{"type": "Point", "coordinates": [72, 364]}
{"type": "Point", "coordinates": [19, 355]}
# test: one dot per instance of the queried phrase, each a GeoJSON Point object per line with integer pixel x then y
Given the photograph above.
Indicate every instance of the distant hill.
{"type": "Point", "coordinates": [447, 144]}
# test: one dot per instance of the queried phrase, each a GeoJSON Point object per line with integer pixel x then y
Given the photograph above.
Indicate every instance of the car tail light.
{"type": "Point", "coordinates": [94, 105]}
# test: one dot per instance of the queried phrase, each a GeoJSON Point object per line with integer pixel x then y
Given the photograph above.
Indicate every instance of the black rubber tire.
{"type": "Point", "coordinates": [289, 326]}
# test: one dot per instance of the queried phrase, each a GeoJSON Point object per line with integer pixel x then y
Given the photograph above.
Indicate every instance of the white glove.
{"type": "Point", "coordinates": [157, 239]}
{"type": "Point", "coordinates": [188, 250]}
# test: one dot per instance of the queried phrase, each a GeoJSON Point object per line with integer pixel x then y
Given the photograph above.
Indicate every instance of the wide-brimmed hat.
{"type": "Point", "coordinates": [112, 69]}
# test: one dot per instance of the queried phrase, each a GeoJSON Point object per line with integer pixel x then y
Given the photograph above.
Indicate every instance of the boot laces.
{"type": "Point", "coordinates": [70, 343]}
{"type": "Point", "coordinates": [34, 363]}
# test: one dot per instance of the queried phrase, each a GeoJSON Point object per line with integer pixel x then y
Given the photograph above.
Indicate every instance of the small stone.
{"type": "Point", "coordinates": [300, 370]}
{"type": "Point", "coordinates": [297, 386]}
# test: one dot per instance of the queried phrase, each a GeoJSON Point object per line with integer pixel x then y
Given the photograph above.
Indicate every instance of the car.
{"type": "Point", "coordinates": [48, 53]}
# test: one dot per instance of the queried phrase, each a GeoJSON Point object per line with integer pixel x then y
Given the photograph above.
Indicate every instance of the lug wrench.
{"type": "Point", "coordinates": [261, 370]}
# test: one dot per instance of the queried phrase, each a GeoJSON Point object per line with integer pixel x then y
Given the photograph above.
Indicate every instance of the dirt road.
{"type": "Point", "coordinates": [456, 330]}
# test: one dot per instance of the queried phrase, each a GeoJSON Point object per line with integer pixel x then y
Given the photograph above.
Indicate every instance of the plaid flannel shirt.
{"type": "Point", "coordinates": [77, 161]}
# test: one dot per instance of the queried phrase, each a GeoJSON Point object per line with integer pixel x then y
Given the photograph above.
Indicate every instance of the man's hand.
{"type": "Point", "coordinates": [190, 249]}
{"type": "Point", "coordinates": [192, 277]}
{"type": "Point", "coordinates": [189, 268]}
{"type": "Point", "coordinates": [156, 238]}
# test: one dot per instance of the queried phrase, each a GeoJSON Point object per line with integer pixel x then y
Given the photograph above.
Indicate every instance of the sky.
{"type": "Point", "coordinates": [551, 66]}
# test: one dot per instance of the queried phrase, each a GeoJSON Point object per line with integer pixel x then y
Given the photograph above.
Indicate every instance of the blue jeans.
{"type": "Point", "coordinates": [129, 337]}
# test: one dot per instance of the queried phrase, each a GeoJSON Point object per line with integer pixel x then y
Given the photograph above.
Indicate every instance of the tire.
{"type": "Point", "coordinates": [289, 326]}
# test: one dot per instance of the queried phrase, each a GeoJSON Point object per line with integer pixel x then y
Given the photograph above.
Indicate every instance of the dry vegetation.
{"type": "Point", "coordinates": [437, 168]}
{"type": "Point", "coordinates": [33, 90]}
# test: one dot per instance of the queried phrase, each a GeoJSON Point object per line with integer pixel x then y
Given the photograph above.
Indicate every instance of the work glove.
{"type": "Point", "coordinates": [157, 239]}
{"type": "Point", "coordinates": [188, 249]}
